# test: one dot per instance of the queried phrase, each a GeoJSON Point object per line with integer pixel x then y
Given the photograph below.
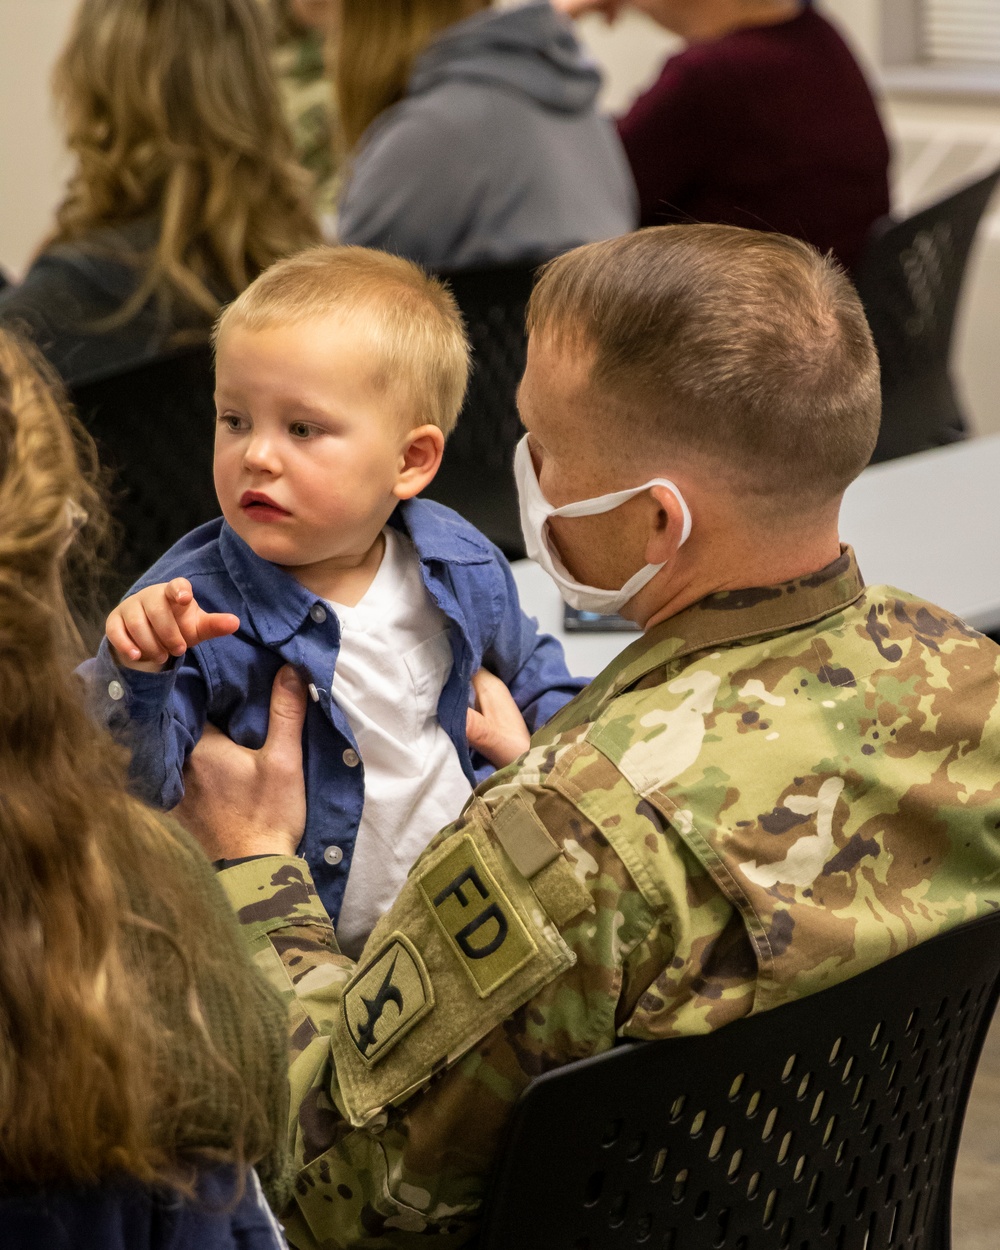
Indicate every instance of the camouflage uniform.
{"type": "Point", "coordinates": [765, 795]}
{"type": "Point", "coordinates": [307, 97]}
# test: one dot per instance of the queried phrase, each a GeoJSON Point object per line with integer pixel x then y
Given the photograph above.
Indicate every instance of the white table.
{"type": "Point", "coordinates": [929, 524]}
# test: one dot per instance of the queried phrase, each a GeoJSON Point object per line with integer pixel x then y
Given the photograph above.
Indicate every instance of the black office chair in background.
{"type": "Point", "coordinates": [831, 1123]}
{"type": "Point", "coordinates": [154, 426]}
{"type": "Point", "coordinates": [477, 477]}
{"type": "Point", "coordinates": [910, 280]}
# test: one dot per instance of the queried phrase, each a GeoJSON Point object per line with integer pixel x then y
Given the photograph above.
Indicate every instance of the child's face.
{"type": "Point", "coordinates": [308, 451]}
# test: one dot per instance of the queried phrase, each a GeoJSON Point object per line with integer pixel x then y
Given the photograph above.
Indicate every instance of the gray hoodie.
{"type": "Point", "coordinates": [496, 154]}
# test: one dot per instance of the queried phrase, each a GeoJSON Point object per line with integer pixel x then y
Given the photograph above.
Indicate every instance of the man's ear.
{"type": "Point", "coordinates": [668, 526]}
{"type": "Point", "coordinates": [420, 460]}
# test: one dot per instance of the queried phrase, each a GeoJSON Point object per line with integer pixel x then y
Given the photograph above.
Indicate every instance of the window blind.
{"type": "Point", "coordinates": [961, 30]}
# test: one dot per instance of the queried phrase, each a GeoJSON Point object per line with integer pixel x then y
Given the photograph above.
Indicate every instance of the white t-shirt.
{"type": "Point", "coordinates": [395, 657]}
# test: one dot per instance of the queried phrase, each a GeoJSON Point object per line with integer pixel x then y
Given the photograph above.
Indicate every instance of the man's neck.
{"type": "Point", "coordinates": [674, 590]}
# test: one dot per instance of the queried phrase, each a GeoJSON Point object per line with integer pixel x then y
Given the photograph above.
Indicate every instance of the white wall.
{"type": "Point", "coordinates": [32, 168]}
{"type": "Point", "coordinates": [31, 162]}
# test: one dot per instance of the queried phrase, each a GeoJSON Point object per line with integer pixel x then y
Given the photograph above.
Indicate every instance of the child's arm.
{"type": "Point", "coordinates": [155, 707]}
{"type": "Point", "coordinates": [529, 663]}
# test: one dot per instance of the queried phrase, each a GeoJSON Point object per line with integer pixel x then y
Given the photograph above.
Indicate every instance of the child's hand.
{"type": "Point", "coordinates": [495, 727]}
{"type": "Point", "coordinates": [147, 628]}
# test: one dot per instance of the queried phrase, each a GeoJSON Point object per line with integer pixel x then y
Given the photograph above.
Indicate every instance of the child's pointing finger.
{"type": "Point", "coordinates": [179, 592]}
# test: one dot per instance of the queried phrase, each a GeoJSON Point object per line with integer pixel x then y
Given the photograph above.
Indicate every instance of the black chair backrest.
{"type": "Point", "coordinates": [831, 1123]}
{"type": "Point", "coordinates": [910, 280]}
{"type": "Point", "coordinates": [476, 477]}
{"type": "Point", "coordinates": [154, 425]}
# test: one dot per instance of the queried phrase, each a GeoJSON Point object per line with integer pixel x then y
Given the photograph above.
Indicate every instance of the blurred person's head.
{"type": "Point", "coordinates": [339, 374]}
{"type": "Point", "coordinates": [171, 111]}
{"type": "Point", "coordinates": [374, 48]}
{"type": "Point", "coordinates": [93, 1084]}
{"type": "Point", "coordinates": [737, 364]}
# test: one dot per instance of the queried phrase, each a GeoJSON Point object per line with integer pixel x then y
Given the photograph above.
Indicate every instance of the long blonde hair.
{"type": "Point", "coordinates": [116, 972]}
{"type": "Point", "coordinates": [171, 111]}
{"type": "Point", "coordinates": [374, 47]}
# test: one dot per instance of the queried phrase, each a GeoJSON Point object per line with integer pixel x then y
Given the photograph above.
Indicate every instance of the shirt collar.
{"type": "Point", "coordinates": [440, 534]}
{"type": "Point", "coordinates": [739, 615]}
{"type": "Point", "coordinates": [277, 604]}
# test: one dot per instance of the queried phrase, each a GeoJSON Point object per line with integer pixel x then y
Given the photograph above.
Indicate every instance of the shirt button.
{"type": "Point", "coordinates": [351, 758]}
{"type": "Point", "coordinates": [333, 855]}
{"type": "Point", "coordinates": [116, 690]}
{"type": "Point", "coordinates": [318, 613]}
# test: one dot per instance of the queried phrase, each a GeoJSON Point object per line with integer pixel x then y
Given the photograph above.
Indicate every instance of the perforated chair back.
{"type": "Point", "coordinates": [831, 1123]}
{"type": "Point", "coordinates": [154, 426]}
{"type": "Point", "coordinates": [910, 281]}
{"type": "Point", "coordinates": [476, 477]}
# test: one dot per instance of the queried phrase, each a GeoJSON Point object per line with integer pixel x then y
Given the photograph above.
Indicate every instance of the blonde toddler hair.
{"type": "Point", "coordinates": [418, 344]}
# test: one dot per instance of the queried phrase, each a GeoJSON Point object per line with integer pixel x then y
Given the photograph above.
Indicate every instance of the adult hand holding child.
{"type": "Point", "coordinates": [240, 802]}
{"type": "Point", "coordinates": [161, 621]}
{"type": "Point", "coordinates": [495, 726]}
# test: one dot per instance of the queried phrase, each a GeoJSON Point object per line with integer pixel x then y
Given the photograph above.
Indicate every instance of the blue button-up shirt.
{"type": "Point", "coordinates": [228, 680]}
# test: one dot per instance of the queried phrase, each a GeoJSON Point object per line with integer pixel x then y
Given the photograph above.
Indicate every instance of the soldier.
{"type": "Point", "coordinates": [787, 779]}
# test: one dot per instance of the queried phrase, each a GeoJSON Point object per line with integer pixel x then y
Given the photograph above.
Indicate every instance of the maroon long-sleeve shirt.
{"type": "Point", "coordinates": [772, 127]}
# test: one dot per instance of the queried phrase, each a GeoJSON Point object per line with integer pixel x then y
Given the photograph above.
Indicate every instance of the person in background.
{"type": "Point", "coordinates": [764, 120]}
{"type": "Point", "coordinates": [185, 184]}
{"type": "Point", "coordinates": [142, 1069]}
{"type": "Point", "coordinates": [302, 28]}
{"type": "Point", "coordinates": [473, 136]}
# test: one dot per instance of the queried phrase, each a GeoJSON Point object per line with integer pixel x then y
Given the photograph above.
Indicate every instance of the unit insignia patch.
{"type": "Point", "coordinates": [387, 998]}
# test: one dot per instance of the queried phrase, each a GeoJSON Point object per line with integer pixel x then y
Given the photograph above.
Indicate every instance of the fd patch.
{"type": "Point", "coordinates": [387, 998]}
{"type": "Point", "coordinates": [480, 923]}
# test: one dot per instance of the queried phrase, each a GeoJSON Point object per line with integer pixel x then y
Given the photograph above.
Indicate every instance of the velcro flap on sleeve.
{"type": "Point", "coordinates": [464, 946]}
{"type": "Point", "coordinates": [535, 853]}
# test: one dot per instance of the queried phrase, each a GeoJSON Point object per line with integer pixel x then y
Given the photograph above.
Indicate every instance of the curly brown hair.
{"type": "Point", "coordinates": [119, 969]}
{"type": "Point", "coordinates": [171, 111]}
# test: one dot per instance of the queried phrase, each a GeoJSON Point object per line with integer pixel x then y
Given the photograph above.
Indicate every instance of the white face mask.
{"type": "Point", "coordinates": [535, 513]}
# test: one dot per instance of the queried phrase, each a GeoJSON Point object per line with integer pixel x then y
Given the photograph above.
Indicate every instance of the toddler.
{"type": "Point", "coordinates": [339, 373]}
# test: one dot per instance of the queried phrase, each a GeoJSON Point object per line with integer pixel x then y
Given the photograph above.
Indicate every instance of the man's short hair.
{"type": "Point", "coordinates": [745, 349]}
{"type": "Point", "coordinates": [419, 349]}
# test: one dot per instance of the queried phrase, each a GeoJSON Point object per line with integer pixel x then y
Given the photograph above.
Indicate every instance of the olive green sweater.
{"type": "Point", "coordinates": [246, 1022]}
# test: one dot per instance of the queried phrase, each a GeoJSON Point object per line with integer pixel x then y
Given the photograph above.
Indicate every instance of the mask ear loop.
{"type": "Point", "coordinates": [607, 503]}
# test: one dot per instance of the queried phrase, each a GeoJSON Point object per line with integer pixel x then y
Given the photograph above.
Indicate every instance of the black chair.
{"type": "Point", "coordinates": [154, 425]}
{"type": "Point", "coordinates": [476, 477]}
{"type": "Point", "coordinates": [831, 1123]}
{"type": "Point", "coordinates": [910, 280]}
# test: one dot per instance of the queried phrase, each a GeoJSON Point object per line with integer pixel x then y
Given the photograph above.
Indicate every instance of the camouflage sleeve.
{"type": "Point", "coordinates": [503, 956]}
{"type": "Point", "coordinates": [292, 943]}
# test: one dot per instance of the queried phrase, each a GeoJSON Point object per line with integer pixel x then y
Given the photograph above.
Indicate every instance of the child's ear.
{"type": "Point", "coordinates": [419, 461]}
